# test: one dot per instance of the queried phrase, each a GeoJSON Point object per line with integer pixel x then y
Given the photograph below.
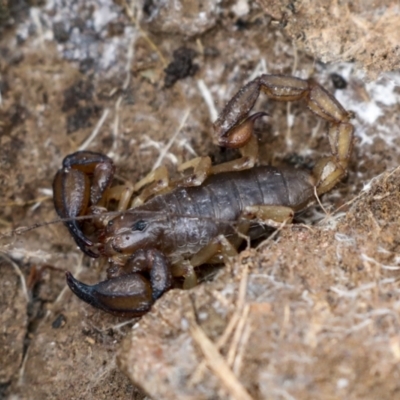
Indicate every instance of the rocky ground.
{"type": "Point", "coordinates": [312, 311]}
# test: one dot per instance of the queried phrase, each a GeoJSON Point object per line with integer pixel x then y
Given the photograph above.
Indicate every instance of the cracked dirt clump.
{"type": "Point", "coordinates": [343, 31]}
{"type": "Point", "coordinates": [319, 319]}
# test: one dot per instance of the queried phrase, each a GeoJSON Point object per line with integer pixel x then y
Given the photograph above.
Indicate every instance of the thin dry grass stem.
{"type": "Point", "coordinates": [208, 99]}
{"type": "Point", "coordinates": [353, 293]}
{"type": "Point", "coordinates": [259, 69]}
{"type": "Point", "coordinates": [230, 327]}
{"type": "Point", "coordinates": [289, 121]}
{"type": "Point", "coordinates": [243, 288]}
{"type": "Point", "coordinates": [285, 322]}
{"type": "Point", "coordinates": [244, 237]}
{"type": "Point", "coordinates": [289, 115]}
{"type": "Point", "coordinates": [364, 257]}
{"type": "Point", "coordinates": [237, 364]}
{"type": "Point", "coordinates": [200, 46]}
{"type": "Point", "coordinates": [95, 131]}
{"type": "Point", "coordinates": [23, 229]}
{"type": "Point", "coordinates": [25, 203]}
{"type": "Point", "coordinates": [19, 273]}
{"type": "Point", "coordinates": [65, 288]}
{"type": "Point", "coordinates": [115, 131]}
{"type": "Point", "coordinates": [147, 142]}
{"type": "Point", "coordinates": [21, 371]}
{"type": "Point", "coordinates": [35, 15]}
{"type": "Point", "coordinates": [242, 310]}
{"type": "Point", "coordinates": [218, 365]}
{"type": "Point", "coordinates": [374, 221]}
{"type": "Point", "coordinates": [335, 213]}
{"type": "Point", "coordinates": [309, 227]}
{"type": "Point", "coordinates": [273, 235]}
{"type": "Point", "coordinates": [135, 20]}
{"type": "Point", "coordinates": [391, 173]}
{"type": "Point", "coordinates": [314, 132]}
{"type": "Point", "coordinates": [319, 202]}
{"type": "Point", "coordinates": [237, 336]}
{"type": "Point", "coordinates": [198, 373]}
{"type": "Point", "coordinates": [222, 299]}
{"type": "Point", "coordinates": [295, 59]}
{"type": "Point", "coordinates": [283, 394]}
{"type": "Point", "coordinates": [166, 148]}
{"type": "Point", "coordinates": [120, 325]}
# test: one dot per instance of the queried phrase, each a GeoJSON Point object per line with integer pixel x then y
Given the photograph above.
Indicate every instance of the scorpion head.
{"type": "Point", "coordinates": [132, 231]}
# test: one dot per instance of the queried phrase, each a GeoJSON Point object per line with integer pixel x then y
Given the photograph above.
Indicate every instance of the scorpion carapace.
{"type": "Point", "coordinates": [172, 227]}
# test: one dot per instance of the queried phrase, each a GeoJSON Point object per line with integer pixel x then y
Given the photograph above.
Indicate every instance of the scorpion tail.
{"type": "Point", "coordinates": [126, 296]}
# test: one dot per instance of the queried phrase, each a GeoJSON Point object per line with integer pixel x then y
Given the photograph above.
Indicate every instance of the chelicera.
{"type": "Point", "coordinates": [172, 227]}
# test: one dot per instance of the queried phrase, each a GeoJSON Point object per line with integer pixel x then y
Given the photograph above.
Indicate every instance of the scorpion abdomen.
{"type": "Point", "coordinates": [192, 216]}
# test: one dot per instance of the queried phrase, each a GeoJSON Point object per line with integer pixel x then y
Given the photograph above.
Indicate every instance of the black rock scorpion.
{"type": "Point", "coordinates": [172, 227]}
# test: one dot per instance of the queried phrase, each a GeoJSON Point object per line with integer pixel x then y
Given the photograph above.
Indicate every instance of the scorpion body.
{"type": "Point", "coordinates": [182, 222]}
{"type": "Point", "coordinates": [173, 227]}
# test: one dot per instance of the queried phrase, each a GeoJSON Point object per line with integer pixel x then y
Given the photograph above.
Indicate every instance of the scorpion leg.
{"type": "Point", "coordinates": [233, 121]}
{"type": "Point", "coordinates": [201, 170]}
{"type": "Point", "coordinates": [270, 215]}
{"type": "Point", "coordinates": [202, 167]}
{"type": "Point", "coordinates": [221, 249]}
{"type": "Point", "coordinates": [238, 136]}
{"type": "Point", "coordinates": [128, 293]}
{"type": "Point", "coordinates": [249, 156]}
{"type": "Point", "coordinates": [217, 251]}
{"type": "Point", "coordinates": [185, 269]}
{"type": "Point", "coordinates": [156, 181]}
{"type": "Point", "coordinates": [81, 182]}
{"type": "Point", "coordinates": [121, 193]}
{"type": "Point", "coordinates": [220, 245]}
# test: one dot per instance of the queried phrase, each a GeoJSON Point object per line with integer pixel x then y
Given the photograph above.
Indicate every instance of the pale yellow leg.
{"type": "Point", "coordinates": [185, 269]}
{"type": "Point", "coordinates": [121, 193]}
{"type": "Point", "coordinates": [270, 215]}
{"type": "Point", "coordinates": [158, 180]}
{"type": "Point", "coordinates": [249, 156]}
{"type": "Point", "coordinates": [201, 170]}
{"type": "Point", "coordinates": [219, 245]}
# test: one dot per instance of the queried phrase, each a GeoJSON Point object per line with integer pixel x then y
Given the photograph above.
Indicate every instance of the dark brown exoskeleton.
{"type": "Point", "coordinates": [170, 228]}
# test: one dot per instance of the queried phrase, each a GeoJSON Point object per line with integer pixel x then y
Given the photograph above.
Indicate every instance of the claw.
{"type": "Point", "coordinates": [157, 265]}
{"type": "Point", "coordinates": [98, 165]}
{"type": "Point", "coordinates": [129, 294]}
{"type": "Point", "coordinates": [71, 199]}
{"type": "Point", "coordinates": [125, 296]}
{"type": "Point", "coordinates": [74, 192]}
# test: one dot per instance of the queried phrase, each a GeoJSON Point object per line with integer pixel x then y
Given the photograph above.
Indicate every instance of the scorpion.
{"type": "Point", "coordinates": [174, 226]}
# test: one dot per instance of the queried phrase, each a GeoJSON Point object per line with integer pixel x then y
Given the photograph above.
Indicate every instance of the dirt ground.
{"type": "Point", "coordinates": [312, 311]}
